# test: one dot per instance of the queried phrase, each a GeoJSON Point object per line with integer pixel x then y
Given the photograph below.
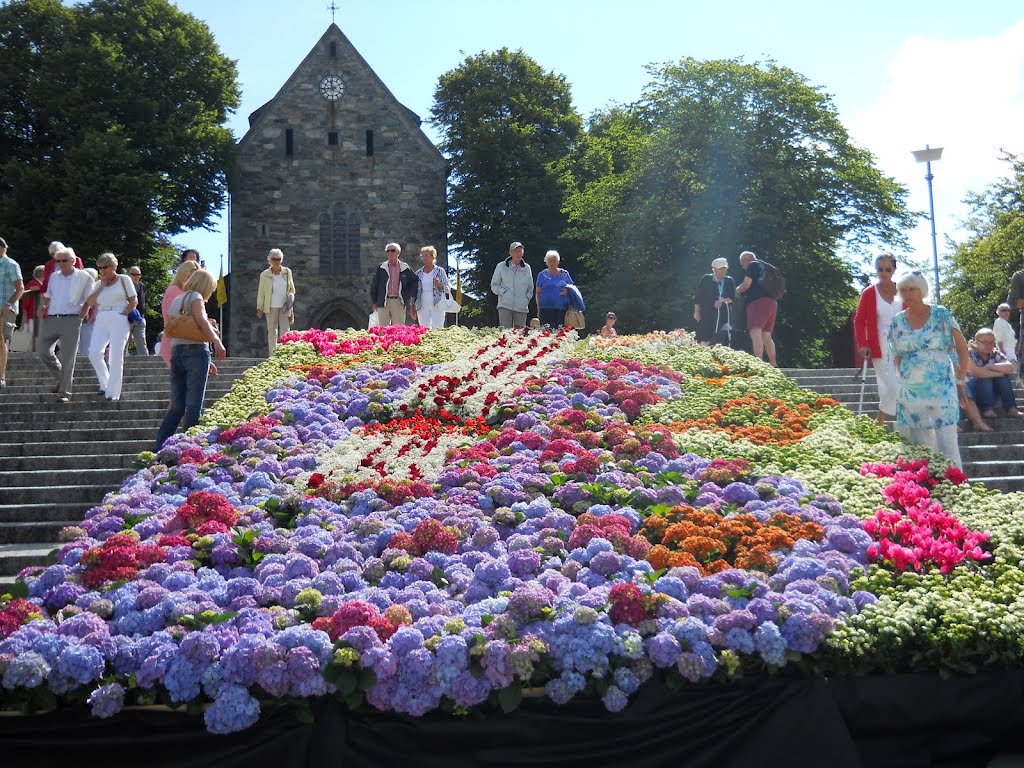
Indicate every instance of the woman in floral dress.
{"type": "Point", "coordinates": [926, 343]}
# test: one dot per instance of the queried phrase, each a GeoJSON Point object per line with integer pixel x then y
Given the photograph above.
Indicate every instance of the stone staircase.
{"type": "Point", "coordinates": [57, 460]}
{"type": "Point", "coordinates": [994, 458]}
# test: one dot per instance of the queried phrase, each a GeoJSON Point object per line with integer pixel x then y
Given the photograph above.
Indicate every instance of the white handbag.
{"type": "Point", "coordinates": [448, 304]}
{"type": "Point", "coordinates": [22, 341]}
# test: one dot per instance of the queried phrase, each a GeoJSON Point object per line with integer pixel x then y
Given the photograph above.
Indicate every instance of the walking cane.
{"type": "Point", "coordinates": [863, 383]}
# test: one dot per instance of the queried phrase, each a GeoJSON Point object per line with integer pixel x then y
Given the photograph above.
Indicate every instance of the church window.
{"type": "Point", "coordinates": [334, 50]}
{"type": "Point", "coordinates": [289, 142]}
{"type": "Point", "coordinates": [332, 138]}
{"type": "Point", "coordinates": [263, 231]}
{"type": "Point", "coordinates": [339, 242]}
{"type": "Point", "coordinates": [369, 143]}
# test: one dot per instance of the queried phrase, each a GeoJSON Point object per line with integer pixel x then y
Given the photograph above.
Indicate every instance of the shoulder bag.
{"type": "Point", "coordinates": [134, 316]}
{"type": "Point", "coordinates": [184, 325]}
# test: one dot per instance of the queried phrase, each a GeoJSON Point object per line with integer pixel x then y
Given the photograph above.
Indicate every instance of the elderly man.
{"type": "Point", "coordinates": [51, 266]}
{"type": "Point", "coordinates": [11, 288]}
{"type": "Point", "coordinates": [138, 330]}
{"type": "Point", "coordinates": [62, 302]}
{"type": "Point", "coordinates": [393, 287]}
{"type": "Point", "coordinates": [512, 283]}
{"type": "Point", "coordinates": [761, 308]}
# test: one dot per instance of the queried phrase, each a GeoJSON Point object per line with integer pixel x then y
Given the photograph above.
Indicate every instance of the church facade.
{"type": "Point", "coordinates": [331, 170]}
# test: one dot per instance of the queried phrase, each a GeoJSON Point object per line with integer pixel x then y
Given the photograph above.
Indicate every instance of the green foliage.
{"type": "Point", "coordinates": [503, 120]}
{"type": "Point", "coordinates": [112, 129]}
{"type": "Point", "coordinates": [978, 277]}
{"type": "Point", "coordinates": [718, 157]}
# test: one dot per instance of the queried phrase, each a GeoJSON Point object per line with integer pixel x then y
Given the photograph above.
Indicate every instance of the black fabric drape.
{"type": "Point", "coordinates": [898, 720]}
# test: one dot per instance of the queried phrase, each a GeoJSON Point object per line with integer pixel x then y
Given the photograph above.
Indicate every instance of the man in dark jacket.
{"type": "Point", "coordinates": [393, 288]}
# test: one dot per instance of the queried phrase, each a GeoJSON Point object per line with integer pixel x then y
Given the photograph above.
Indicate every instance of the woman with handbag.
{"type": "Point", "coordinates": [552, 293]}
{"type": "Point", "coordinates": [115, 299]}
{"type": "Point", "coordinates": [275, 298]}
{"type": "Point", "coordinates": [188, 334]}
{"type": "Point", "coordinates": [432, 288]}
{"type": "Point", "coordinates": [174, 290]}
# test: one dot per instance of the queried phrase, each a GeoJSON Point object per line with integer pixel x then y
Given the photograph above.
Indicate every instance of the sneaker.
{"type": "Point", "coordinates": [63, 399]}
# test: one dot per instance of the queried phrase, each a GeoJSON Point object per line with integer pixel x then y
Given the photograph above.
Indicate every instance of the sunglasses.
{"type": "Point", "coordinates": [62, 261]}
{"type": "Point", "coordinates": [275, 259]}
{"type": "Point", "coordinates": [105, 266]}
{"type": "Point", "coordinates": [391, 250]}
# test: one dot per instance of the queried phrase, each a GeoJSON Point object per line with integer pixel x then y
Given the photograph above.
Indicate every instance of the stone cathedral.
{"type": "Point", "coordinates": [331, 170]}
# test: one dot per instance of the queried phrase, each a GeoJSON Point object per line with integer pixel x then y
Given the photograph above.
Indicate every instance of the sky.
{"type": "Point", "coordinates": [902, 74]}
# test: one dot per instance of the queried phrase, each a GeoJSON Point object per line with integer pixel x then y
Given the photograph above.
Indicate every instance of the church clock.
{"type": "Point", "coordinates": [332, 88]}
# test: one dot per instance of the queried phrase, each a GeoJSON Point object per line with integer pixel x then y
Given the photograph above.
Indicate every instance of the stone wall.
{"type": "Point", "coordinates": [396, 194]}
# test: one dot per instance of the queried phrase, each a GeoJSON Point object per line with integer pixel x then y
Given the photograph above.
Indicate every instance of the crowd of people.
{"type": "Point", "coordinates": [927, 373]}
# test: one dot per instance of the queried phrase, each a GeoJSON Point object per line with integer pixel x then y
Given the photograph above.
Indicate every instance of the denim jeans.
{"type": "Point", "coordinates": [190, 368]}
{"type": "Point", "coordinates": [984, 392]}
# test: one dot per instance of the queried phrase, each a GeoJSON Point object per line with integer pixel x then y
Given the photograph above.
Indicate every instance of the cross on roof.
{"type": "Point", "coordinates": [332, 8]}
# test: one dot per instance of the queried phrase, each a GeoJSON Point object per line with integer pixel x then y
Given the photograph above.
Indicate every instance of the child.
{"type": "Point", "coordinates": [535, 324]}
{"type": "Point", "coordinates": [1005, 340]}
{"type": "Point", "coordinates": [608, 329]}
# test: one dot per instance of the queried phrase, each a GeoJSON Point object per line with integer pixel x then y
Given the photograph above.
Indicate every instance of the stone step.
{"type": "Point", "coordinates": [34, 532]}
{"type": "Point", "coordinates": [16, 556]}
{"type": "Point", "coordinates": [1005, 483]}
{"type": "Point", "coordinates": [57, 494]}
{"type": "Point", "coordinates": [992, 452]}
{"type": "Point", "coordinates": [106, 432]}
{"type": "Point", "coordinates": [91, 448]}
{"type": "Point", "coordinates": [14, 513]}
{"type": "Point", "coordinates": [60, 476]}
{"type": "Point", "coordinates": [993, 468]}
{"type": "Point", "coordinates": [66, 462]}
{"type": "Point", "coordinates": [30, 419]}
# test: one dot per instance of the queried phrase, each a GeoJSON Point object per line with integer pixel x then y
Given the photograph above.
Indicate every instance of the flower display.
{"type": "Point", "coordinates": [415, 520]}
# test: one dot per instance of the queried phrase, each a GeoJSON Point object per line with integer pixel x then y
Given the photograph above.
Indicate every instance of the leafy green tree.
{"type": "Point", "coordinates": [112, 128]}
{"type": "Point", "coordinates": [978, 276]}
{"type": "Point", "coordinates": [503, 120]}
{"type": "Point", "coordinates": [719, 157]}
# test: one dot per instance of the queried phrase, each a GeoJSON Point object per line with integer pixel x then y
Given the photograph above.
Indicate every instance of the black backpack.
{"type": "Point", "coordinates": [771, 281]}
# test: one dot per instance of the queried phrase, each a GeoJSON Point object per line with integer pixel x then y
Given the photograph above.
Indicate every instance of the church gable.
{"type": "Point", "coordinates": [331, 169]}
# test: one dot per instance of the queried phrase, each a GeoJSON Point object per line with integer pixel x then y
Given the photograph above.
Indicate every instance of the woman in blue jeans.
{"type": "Point", "coordinates": [190, 360]}
{"type": "Point", "coordinates": [989, 376]}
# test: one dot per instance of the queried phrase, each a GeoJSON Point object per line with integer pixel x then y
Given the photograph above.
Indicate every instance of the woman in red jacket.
{"type": "Point", "coordinates": [879, 303]}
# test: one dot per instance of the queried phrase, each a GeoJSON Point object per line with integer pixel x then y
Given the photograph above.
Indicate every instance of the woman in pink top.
{"type": "Point", "coordinates": [174, 290]}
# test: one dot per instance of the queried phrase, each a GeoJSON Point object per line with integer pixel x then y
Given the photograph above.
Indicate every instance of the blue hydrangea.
{"type": "Point", "coordinates": [107, 700]}
{"type": "Point", "coordinates": [233, 710]}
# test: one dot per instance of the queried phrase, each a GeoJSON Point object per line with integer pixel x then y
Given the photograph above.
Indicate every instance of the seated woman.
{"type": "Point", "coordinates": [988, 377]}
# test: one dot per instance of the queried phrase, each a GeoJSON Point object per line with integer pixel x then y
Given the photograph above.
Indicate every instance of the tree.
{"type": "Point", "coordinates": [503, 120]}
{"type": "Point", "coordinates": [978, 277]}
{"type": "Point", "coordinates": [112, 127]}
{"type": "Point", "coordinates": [718, 157]}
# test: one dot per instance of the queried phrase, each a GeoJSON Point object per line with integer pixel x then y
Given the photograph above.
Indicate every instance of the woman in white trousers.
{"type": "Point", "coordinates": [433, 285]}
{"type": "Point", "coordinates": [114, 298]}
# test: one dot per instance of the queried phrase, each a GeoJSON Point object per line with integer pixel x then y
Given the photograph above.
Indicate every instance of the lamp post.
{"type": "Point", "coordinates": [927, 155]}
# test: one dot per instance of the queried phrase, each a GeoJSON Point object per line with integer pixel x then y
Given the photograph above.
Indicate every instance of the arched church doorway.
{"type": "Point", "coordinates": [339, 317]}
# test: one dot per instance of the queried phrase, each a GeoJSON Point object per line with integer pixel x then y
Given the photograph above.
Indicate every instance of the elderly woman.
{"type": "Point", "coordinates": [275, 298]}
{"type": "Point", "coordinates": [879, 303]}
{"type": "Point", "coordinates": [716, 291]}
{"type": "Point", "coordinates": [432, 285]}
{"type": "Point", "coordinates": [114, 298]}
{"type": "Point", "coordinates": [926, 345]}
{"type": "Point", "coordinates": [174, 290]}
{"type": "Point", "coordinates": [989, 377]}
{"type": "Point", "coordinates": [190, 360]}
{"type": "Point", "coordinates": [551, 293]}
{"type": "Point", "coordinates": [29, 301]}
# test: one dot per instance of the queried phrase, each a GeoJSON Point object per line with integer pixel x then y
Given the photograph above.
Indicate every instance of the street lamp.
{"type": "Point", "coordinates": [927, 155]}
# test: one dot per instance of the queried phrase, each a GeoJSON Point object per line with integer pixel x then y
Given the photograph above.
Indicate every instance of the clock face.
{"type": "Point", "coordinates": [332, 87]}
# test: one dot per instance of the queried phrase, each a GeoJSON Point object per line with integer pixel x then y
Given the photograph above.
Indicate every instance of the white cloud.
{"type": "Point", "coordinates": [966, 96]}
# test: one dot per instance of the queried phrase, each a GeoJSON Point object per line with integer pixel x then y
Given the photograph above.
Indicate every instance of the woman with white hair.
{"type": "Point", "coordinates": [716, 291]}
{"type": "Point", "coordinates": [879, 303]}
{"type": "Point", "coordinates": [276, 298]}
{"type": "Point", "coordinates": [114, 298]}
{"type": "Point", "coordinates": [930, 354]}
{"type": "Point", "coordinates": [552, 294]}
{"type": "Point", "coordinates": [1006, 340]}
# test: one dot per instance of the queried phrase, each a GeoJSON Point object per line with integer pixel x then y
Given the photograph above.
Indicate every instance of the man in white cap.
{"type": "Point", "coordinates": [512, 283]}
